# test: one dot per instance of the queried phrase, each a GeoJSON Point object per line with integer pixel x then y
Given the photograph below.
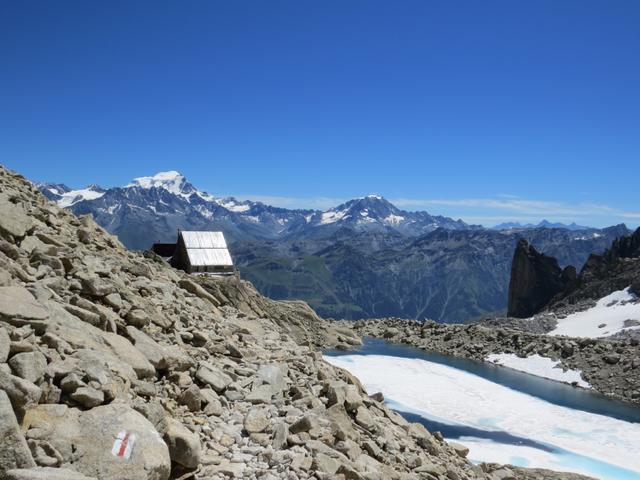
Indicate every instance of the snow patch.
{"type": "Point", "coordinates": [540, 366]}
{"type": "Point", "coordinates": [234, 206]}
{"type": "Point", "coordinates": [332, 216]}
{"type": "Point", "coordinates": [394, 219]}
{"type": "Point", "coordinates": [74, 196]}
{"type": "Point", "coordinates": [588, 237]}
{"type": "Point", "coordinates": [204, 211]}
{"type": "Point", "coordinates": [205, 196]}
{"type": "Point", "coordinates": [606, 318]}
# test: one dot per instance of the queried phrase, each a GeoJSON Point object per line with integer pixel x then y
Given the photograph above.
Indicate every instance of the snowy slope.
{"type": "Point", "coordinates": [540, 366]}
{"type": "Point", "coordinates": [612, 314]}
{"type": "Point", "coordinates": [75, 196]}
{"type": "Point", "coordinates": [66, 197]}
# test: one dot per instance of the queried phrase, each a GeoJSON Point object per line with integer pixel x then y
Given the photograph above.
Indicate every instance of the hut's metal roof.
{"type": "Point", "coordinates": [206, 249]}
{"type": "Point", "coordinates": [202, 257]}
{"type": "Point", "coordinates": [203, 239]}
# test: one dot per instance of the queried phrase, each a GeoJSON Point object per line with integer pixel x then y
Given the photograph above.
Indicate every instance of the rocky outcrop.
{"type": "Point", "coordinates": [118, 366]}
{"type": "Point", "coordinates": [535, 279]}
{"type": "Point", "coordinates": [616, 269]}
{"type": "Point", "coordinates": [624, 247]}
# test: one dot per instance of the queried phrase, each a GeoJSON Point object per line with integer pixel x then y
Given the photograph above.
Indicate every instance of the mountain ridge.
{"type": "Point", "coordinates": [241, 217]}
{"type": "Point", "coordinates": [363, 258]}
{"type": "Point", "coordinates": [542, 224]}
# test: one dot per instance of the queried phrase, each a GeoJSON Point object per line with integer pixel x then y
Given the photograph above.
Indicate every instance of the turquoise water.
{"type": "Point", "coordinates": [564, 458]}
{"type": "Point", "coordinates": [548, 390]}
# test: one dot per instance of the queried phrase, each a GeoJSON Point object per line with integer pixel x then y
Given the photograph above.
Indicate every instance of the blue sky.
{"type": "Point", "coordinates": [489, 111]}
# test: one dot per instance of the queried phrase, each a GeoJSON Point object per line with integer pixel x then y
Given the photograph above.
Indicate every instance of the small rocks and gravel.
{"type": "Point", "coordinates": [114, 365]}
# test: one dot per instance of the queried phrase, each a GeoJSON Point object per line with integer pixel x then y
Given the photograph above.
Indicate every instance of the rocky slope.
{"type": "Point", "coordinates": [115, 366]}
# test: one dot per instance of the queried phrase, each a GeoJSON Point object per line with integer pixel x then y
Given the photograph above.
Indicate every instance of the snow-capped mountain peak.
{"type": "Point", "coordinates": [171, 181]}
{"type": "Point", "coordinates": [372, 207]}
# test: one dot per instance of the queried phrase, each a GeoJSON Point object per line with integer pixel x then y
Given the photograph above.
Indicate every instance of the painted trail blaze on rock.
{"type": "Point", "coordinates": [123, 445]}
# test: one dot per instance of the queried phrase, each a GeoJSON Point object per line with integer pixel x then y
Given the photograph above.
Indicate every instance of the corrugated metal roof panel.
{"type": "Point", "coordinates": [209, 257]}
{"type": "Point", "coordinates": [203, 239]}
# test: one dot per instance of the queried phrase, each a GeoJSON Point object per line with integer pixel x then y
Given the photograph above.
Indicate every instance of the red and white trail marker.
{"type": "Point", "coordinates": [123, 445]}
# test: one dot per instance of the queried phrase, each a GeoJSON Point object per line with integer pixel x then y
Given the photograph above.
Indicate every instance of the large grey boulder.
{"type": "Point", "coordinates": [96, 286]}
{"type": "Point", "coordinates": [137, 318]}
{"type": "Point", "coordinates": [177, 358]}
{"type": "Point", "coordinates": [460, 449]}
{"type": "Point", "coordinates": [213, 376]}
{"type": "Point", "coordinates": [198, 291]}
{"type": "Point", "coordinates": [365, 419]}
{"type": "Point", "coordinates": [153, 412]}
{"type": "Point", "coordinates": [29, 365]}
{"type": "Point", "coordinates": [13, 219]}
{"type": "Point", "coordinates": [184, 446]}
{"type": "Point", "coordinates": [46, 473]}
{"type": "Point", "coordinates": [275, 375]}
{"type": "Point", "coordinates": [148, 347]}
{"type": "Point", "coordinates": [123, 349]}
{"type": "Point", "coordinates": [22, 393]}
{"type": "Point", "coordinates": [14, 451]}
{"type": "Point", "coordinates": [18, 307]}
{"type": "Point", "coordinates": [114, 348]}
{"type": "Point", "coordinates": [88, 397]}
{"type": "Point", "coordinates": [106, 442]}
{"type": "Point", "coordinates": [256, 420]}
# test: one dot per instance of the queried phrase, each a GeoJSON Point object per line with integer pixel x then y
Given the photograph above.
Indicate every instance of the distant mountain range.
{"type": "Point", "coordinates": [364, 258]}
{"type": "Point", "coordinates": [167, 201]}
{"type": "Point", "coordinates": [542, 224]}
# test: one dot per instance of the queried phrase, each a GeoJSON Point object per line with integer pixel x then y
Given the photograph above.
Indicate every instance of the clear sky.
{"type": "Point", "coordinates": [488, 110]}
